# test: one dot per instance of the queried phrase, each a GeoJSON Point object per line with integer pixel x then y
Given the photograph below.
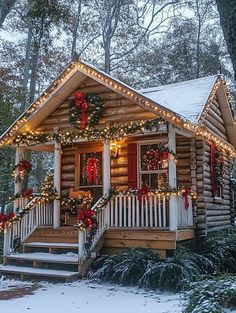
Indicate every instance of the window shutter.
{"type": "Point", "coordinates": [132, 166]}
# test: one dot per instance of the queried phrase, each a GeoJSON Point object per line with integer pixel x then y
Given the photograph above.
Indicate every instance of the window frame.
{"type": "Point", "coordinates": [139, 171]}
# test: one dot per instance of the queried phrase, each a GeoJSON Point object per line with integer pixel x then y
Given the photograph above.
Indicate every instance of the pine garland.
{"type": "Point", "coordinates": [115, 131]}
{"type": "Point", "coordinates": [75, 112]}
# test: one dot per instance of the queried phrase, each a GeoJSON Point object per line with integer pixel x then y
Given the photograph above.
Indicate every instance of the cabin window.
{"type": "Point", "coordinates": [90, 173]}
{"type": "Point", "coordinates": [152, 172]}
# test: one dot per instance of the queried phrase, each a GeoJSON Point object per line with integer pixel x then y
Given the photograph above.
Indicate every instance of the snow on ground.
{"type": "Point", "coordinates": [7, 284]}
{"type": "Point", "coordinates": [88, 296]}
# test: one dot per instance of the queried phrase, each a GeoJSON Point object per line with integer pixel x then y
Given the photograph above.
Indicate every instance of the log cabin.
{"type": "Point", "coordinates": [150, 168]}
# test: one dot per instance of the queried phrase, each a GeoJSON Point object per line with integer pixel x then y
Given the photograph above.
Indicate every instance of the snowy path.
{"type": "Point", "coordinates": [86, 297]}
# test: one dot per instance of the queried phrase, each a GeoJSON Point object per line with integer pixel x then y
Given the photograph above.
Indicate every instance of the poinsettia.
{"type": "Point", "coordinates": [88, 218]}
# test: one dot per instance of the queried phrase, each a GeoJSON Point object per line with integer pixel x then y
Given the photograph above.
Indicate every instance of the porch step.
{"type": "Point", "coordinates": [38, 273]}
{"type": "Point", "coordinates": [66, 262]}
{"type": "Point", "coordinates": [50, 235]}
{"type": "Point", "coordinates": [45, 257]}
{"type": "Point", "coordinates": [51, 247]}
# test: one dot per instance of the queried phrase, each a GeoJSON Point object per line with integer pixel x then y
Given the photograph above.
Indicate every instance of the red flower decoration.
{"type": "Point", "coordinates": [27, 193]}
{"type": "Point", "coordinates": [88, 218]}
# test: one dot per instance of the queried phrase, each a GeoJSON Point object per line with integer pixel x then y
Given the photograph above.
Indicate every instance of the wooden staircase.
{"type": "Point", "coordinates": [48, 254]}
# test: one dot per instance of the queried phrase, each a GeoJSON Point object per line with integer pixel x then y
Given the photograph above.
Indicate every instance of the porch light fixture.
{"type": "Point", "coordinates": [114, 150]}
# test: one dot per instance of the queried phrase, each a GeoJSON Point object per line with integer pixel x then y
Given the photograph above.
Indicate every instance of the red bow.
{"type": "Point", "coordinates": [81, 103]}
{"type": "Point", "coordinates": [185, 194]}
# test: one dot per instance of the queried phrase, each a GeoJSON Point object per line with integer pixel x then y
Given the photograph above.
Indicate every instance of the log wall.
{"type": "Point", "coordinates": [214, 120]}
{"type": "Point", "coordinates": [212, 213]}
{"type": "Point", "coordinates": [116, 108]}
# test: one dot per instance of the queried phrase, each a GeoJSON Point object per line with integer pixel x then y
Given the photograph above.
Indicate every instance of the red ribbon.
{"type": "Point", "coordinates": [185, 194]}
{"type": "Point", "coordinates": [92, 167]}
{"type": "Point", "coordinates": [81, 103]}
{"type": "Point", "coordinates": [143, 192]}
{"type": "Point", "coordinates": [212, 168]}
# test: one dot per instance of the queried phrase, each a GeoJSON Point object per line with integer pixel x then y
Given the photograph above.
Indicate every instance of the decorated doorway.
{"type": "Point", "coordinates": [89, 171]}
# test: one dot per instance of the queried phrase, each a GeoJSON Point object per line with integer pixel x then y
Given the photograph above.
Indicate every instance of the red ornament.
{"type": "Point", "coordinates": [92, 168]}
{"type": "Point", "coordinates": [82, 104]}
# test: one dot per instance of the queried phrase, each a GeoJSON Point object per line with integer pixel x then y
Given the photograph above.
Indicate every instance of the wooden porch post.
{"type": "Point", "coordinates": [17, 184]}
{"type": "Point", "coordinates": [57, 183]}
{"type": "Point", "coordinates": [172, 179]}
{"type": "Point", "coordinates": [106, 168]}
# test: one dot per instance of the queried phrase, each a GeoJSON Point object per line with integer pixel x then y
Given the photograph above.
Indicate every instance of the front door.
{"type": "Point", "coordinates": [90, 171]}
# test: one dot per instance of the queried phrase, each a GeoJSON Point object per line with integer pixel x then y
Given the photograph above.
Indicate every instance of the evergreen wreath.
{"type": "Point", "coordinates": [78, 108]}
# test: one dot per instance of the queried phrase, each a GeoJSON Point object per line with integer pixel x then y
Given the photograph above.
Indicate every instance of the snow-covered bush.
{"type": "Point", "coordinates": [222, 251]}
{"type": "Point", "coordinates": [142, 267]}
{"type": "Point", "coordinates": [211, 296]}
{"type": "Point", "coordinates": [126, 268]}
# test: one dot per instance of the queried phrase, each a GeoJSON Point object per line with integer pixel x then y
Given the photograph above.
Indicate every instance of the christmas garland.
{"type": "Point", "coordinates": [21, 169]}
{"type": "Point", "coordinates": [79, 106]}
{"type": "Point", "coordinates": [113, 132]}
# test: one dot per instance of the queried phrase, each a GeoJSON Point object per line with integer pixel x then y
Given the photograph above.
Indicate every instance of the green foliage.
{"type": "Point", "coordinates": [126, 268]}
{"type": "Point", "coordinates": [144, 268]}
{"type": "Point", "coordinates": [211, 296]}
{"type": "Point", "coordinates": [223, 252]}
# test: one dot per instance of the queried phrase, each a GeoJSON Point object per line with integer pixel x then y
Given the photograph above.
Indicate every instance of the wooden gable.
{"type": "Point", "coordinates": [117, 108]}
{"type": "Point", "coordinates": [214, 119]}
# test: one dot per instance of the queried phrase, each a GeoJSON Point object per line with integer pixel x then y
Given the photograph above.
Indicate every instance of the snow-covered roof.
{"type": "Point", "coordinates": [187, 98]}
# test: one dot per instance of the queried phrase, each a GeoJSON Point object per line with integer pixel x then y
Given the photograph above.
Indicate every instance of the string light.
{"type": "Point", "coordinates": [127, 92]}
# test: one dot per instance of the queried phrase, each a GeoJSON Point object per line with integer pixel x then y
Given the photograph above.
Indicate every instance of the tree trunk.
{"type": "Point", "coordinates": [5, 8]}
{"type": "Point", "coordinates": [75, 31]}
{"type": "Point", "coordinates": [34, 69]}
{"type": "Point", "coordinates": [26, 72]}
{"type": "Point", "coordinates": [227, 11]}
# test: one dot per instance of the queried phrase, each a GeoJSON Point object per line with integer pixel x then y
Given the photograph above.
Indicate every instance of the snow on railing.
{"type": "Point", "coordinates": [40, 214]}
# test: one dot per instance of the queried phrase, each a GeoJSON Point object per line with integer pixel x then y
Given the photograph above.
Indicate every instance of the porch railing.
{"type": "Point", "coordinates": [127, 211]}
{"type": "Point", "coordinates": [40, 214]}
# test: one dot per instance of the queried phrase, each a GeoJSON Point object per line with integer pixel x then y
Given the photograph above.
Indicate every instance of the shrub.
{"type": "Point", "coordinates": [223, 253]}
{"type": "Point", "coordinates": [211, 296]}
{"type": "Point", "coordinates": [144, 268]}
{"type": "Point", "coordinates": [126, 268]}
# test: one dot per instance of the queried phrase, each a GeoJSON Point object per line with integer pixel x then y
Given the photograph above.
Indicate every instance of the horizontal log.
{"type": "Point", "coordinates": [64, 112]}
{"type": "Point", "coordinates": [69, 177]}
{"type": "Point", "coordinates": [218, 223]}
{"type": "Point", "coordinates": [216, 124]}
{"type": "Point", "coordinates": [68, 168]}
{"type": "Point", "coordinates": [218, 218]}
{"type": "Point", "coordinates": [68, 161]}
{"type": "Point", "coordinates": [218, 212]}
{"type": "Point", "coordinates": [132, 109]}
{"type": "Point", "coordinates": [215, 130]}
{"type": "Point", "coordinates": [67, 184]}
{"type": "Point", "coordinates": [97, 89]}
{"type": "Point", "coordinates": [216, 116]}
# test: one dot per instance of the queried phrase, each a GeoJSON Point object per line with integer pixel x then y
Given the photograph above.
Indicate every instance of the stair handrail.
{"type": "Point", "coordinates": [37, 212]}
{"type": "Point", "coordinates": [84, 233]}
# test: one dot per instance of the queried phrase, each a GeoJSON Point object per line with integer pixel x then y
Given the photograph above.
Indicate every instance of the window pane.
{"type": "Point", "coordinates": [146, 163]}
